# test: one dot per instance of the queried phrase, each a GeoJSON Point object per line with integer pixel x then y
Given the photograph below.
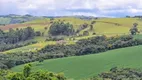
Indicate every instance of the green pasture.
{"type": "Point", "coordinates": [90, 65]}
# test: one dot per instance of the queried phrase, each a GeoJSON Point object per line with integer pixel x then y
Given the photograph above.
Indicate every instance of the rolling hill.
{"type": "Point", "coordinates": [90, 65]}
{"type": "Point", "coordinates": [103, 26]}
{"type": "Point", "coordinates": [15, 19]}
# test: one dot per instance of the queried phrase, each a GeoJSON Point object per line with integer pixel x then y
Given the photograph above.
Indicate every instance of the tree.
{"type": "Point", "coordinates": [45, 28]}
{"type": "Point", "coordinates": [38, 33]}
{"type": "Point", "coordinates": [60, 76]}
{"type": "Point", "coordinates": [41, 60]}
{"type": "Point", "coordinates": [10, 63]}
{"type": "Point", "coordinates": [93, 22]}
{"type": "Point", "coordinates": [135, 24]}
{"type": "Point", "coordinates": [39, 75]}
{"type": "Point", "coordinates": [134, 29]}
{"type": "Point", "coordinates": [91, 27]}
{"type": "Point", "coordinates": [128, 16]}
{"type": "Point", "coordinates": [61, 28]}
{"type": "Point", "coordinates": [85, 33]}
{"type": "Point", "coordinates": [15, 76]}
{"type": "Point", "coordinates": [85, 25]}
{"type": "Point", "coordinates": [27, 70]}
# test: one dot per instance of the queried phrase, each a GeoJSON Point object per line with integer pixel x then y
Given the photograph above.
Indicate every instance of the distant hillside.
{"type": "Point", "coordinates": [13, 19]}
{"type": "Point", "coordinates": [107, 26]}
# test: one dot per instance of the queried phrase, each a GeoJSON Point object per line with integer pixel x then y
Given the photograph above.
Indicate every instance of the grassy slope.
{"type": "Point", "coordinates": [139, 36]}
{"type": "Point", "coordinates": [37, 46]}
{"type": "Point", "coordinates": [125, 25]}
{"type": "Point", "coordinates": [33, 47]}
{"type": "Point", "coordinates": [90, 65]}
{"type": "Point", "coordinates": [100, 27]}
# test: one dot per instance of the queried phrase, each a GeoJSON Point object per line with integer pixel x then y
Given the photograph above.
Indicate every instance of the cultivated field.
{"type": "Point", "coordinates": [86, 66]}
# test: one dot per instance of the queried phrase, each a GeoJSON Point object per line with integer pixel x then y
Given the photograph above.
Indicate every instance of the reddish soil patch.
{"type": "Point", "coordinates": [7, 27]}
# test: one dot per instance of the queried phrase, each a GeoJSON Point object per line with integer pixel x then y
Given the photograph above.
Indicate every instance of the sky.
{"type": "Point", "coordinates": [96, 8]}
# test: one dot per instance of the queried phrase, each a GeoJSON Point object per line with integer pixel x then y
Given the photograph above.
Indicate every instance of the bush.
{"type": "Point", "coordinates": [38, 33]}
{"type": "Point", "coordinates": [85, 33]}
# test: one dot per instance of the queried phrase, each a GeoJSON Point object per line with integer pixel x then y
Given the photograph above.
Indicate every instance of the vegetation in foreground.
{"type": "Point", "coordinates": [114, 74]}
{"type": "Point", "coordinates": [26, 74]}
{"type": "Point", "coordinates": [90, 65]}
{"type": "Point", "coordinates": [120, 74]}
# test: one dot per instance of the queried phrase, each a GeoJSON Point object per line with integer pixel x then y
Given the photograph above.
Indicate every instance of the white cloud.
{"type": "Point", "coordinates": [85, 13]}
{"type": "Point", "coordinates": [65, 7]}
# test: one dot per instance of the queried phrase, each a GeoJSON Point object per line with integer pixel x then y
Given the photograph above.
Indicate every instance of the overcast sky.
{"type": "Point", "coordinates": [108, 8]}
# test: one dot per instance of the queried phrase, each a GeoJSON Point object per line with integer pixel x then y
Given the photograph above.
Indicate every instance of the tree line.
{"type": "Point", "coordinates": [82, 47]}
{"type": "Point", "coordinates": [16, 38]}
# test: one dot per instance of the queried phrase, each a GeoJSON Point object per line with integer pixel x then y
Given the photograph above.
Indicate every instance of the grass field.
{"type": "Point", "coordinates": [104, 26]}
{"type": "Point", "coordinates": [138, 36]}
{"type": "Point", "coordinates": [32, 47]}
{"type": "Point", "coordinates": [87, 66]}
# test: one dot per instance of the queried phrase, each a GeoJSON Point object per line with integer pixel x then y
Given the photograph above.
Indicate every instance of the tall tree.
{"type": "Point", "coordinates": [134, 29]}
{"type": "Point", "coordinates": [27, 70]}
{"type": "Point", "coordinates": [61, 28]}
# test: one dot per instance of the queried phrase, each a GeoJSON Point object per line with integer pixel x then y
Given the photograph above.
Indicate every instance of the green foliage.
{"type": "Point", "coordinates": [28, 75]}
{"type": "Point", "coordinates": [14, 38]}
{"type": "Point", "coordinates": [82, 47]}
{"type": "Point", "coordinates": [41, 60]}
{"type": "Point", "coordinates": [15, 76]}
{"type": "Point", "coordinates": [82, 27]}
{"type": "Point", "coordinates": [80, 67]}
{"type": "Point", "coordinates": [91, 28]}
{"type": "Point", "coordinates": [27, 70]}
{"type": "Point", "coordinates": [86, 33]}
{"type": "Point", "coordinates": [61, 28]}
{"type": "Point", "coordinates": [93, 22]}
{"type": "Point", "coordinates": [122, 74]}
{"type": "Point", "coordinates": [38, 33]}
{"type": "Point", "coordinates": [134, 29]}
